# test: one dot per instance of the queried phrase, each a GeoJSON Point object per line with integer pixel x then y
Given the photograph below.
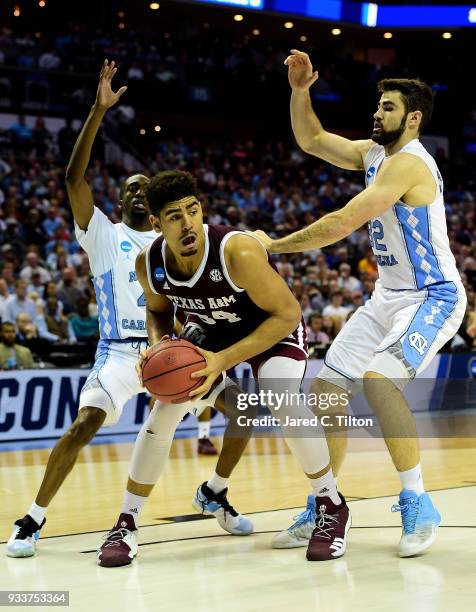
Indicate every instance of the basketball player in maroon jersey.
{"type": "Point", "coordinates": [237, 308]}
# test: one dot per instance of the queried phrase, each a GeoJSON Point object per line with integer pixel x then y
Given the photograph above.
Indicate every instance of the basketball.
{"type": "Point", "coordinates": [167, 369]}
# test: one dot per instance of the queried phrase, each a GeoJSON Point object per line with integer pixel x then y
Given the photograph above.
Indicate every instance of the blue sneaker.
{"type": "Point", "coordinates": [22, 542]}
{"type": "Point", "coordinates": [301, 530]}
{"type": "Point", "coordinates": [420, 522]}
{"type": "Point", "coordinates": [208, 502]}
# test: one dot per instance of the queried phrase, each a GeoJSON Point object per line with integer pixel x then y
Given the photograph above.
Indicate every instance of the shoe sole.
{"type": "Point", "coordinates": [131, 558]}
{"type": "Point", "coordinates": [292, 544]}
{"type": "Point", "coordinates": [198, 507]}
{"type": "Point", "coordinates": [421, 549]}
{"type": "Point", "coordinates": [341, 552]}
{"type": "Point", "coordinates": [19, 554]}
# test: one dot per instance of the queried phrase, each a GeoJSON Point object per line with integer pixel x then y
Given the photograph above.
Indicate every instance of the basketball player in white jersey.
{"type": "Point", "coordinates": [112, 250]}
{"type": "Point", "coordinates": [419, 300]}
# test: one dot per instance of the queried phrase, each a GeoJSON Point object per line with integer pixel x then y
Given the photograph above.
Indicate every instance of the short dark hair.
{"type": "Point", "coordinates": [416, 95]}
{"type": "Point", "coordinates": [169, 186]}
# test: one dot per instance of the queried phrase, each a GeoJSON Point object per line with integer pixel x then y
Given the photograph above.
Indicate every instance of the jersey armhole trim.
{"type": "Point", "coordinates": [223, 262]}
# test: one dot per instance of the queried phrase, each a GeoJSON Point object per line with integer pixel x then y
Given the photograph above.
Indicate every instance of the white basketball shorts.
{"type": "Point", "coordinates": [396, 334]}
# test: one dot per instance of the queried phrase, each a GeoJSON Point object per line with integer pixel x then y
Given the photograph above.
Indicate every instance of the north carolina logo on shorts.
{"type": "Point", "coordinates": [418, 342]}
{"type": "Point", "coordinates": [370, 171]}
{"type": "Point", "coordinates": [126, 246]}
{"type": "Point", "coordinates": [159, 274]}
{"type": "Point", "coordinates": [216, 275]}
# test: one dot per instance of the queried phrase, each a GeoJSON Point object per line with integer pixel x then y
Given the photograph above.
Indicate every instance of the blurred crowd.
{"type": "Point", "coordinates": [47, 301]}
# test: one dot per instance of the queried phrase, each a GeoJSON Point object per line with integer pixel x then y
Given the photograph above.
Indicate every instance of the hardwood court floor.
{"type": "Point", "coordinates": [186, 564]}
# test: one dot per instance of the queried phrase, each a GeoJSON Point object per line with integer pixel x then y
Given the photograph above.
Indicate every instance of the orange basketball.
{"type": "Point", "coordinates": [167, 369]}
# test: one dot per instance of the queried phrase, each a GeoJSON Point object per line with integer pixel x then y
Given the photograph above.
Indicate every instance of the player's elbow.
{"type": "Point", "coordinates": [291, 316]}
{"type": "Point", "coordinates": [72, 178]}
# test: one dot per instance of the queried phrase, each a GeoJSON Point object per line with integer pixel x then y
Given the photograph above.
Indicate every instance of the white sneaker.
{"type": "Point", "coordinates": [301, 530]}
{"type": "Point", "coordinates": [420, 522]}
{"type": "Point", "coordinates": [206, 501]}
{"type": "Point", "coordinates": [22, 542]}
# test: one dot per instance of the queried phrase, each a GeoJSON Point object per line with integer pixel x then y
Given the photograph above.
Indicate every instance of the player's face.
{"type": "Point", "coordinates": [134, 204]}
{"type": "Point", "coordinates": [181, 223]}
{"type": "Point", "coordinates": [8, 333]}
{"type": "Point", "coordinates": [390, 118]}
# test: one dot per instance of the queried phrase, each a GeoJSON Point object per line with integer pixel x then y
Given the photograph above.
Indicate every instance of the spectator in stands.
{"type": "Point", "coordinates": [68, 291]}
{"type": "Point", "coordinates": [4, 295]}
{"type": "Point", "coordinates": [33, 265]}
{"type": "Point", "coordinates": [85, 326]}
{"type": "Point", "coordinates": [345, 280]}
{"type": "Point", "coordinates": [19, 303]}
{"type": "Point", "coordinates": [8, 275]}
{"type": "Point", "coordinates": [314, 331]}
{"type": "Point", "coordinates": [41, 138]}
{"type": "Point", "coordinates": [66, 139]}
{"type": "Point", "coordinates": [12, 355]}
{"type": "Point", "coordinates": [357, 300]}
{"type": "Point", "coordinates": [22, 133]}
{"type": "Point", "coordinates": [49, 60]}
{"type": "Point", "coordinates": [368, 264]}
{"type": "Point", "coordinates": [336, 310]}
{"type": "Point", "coordinates": [53, 326]}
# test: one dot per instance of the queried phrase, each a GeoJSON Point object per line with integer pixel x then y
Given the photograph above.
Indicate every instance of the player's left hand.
{"type": "Point", "coordinates": [215, 366]}
{"type": "Point", "coordinates": [265, 240]}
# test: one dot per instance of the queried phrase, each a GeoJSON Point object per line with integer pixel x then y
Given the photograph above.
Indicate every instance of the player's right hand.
{"type": "Point", "coordinates": [105, 97]}
{"type": "Point", "coordinates": [300, 73]}
{"type": "Point", "coordinates": [143, 356]}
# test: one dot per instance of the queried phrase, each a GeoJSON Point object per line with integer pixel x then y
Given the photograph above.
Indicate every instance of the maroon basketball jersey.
{"type": "Point", "coordinates": [215, 312]}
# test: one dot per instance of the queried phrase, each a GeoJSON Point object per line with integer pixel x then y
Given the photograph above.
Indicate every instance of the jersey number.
{"type": "Point", "coordinates": [376, 234]}
{"type": "Point", "coordinates": [218, 315]}
{"type": "Point", "coordinates": [141, 300]}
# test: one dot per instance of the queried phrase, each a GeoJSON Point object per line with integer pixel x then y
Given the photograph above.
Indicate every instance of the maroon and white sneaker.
{"type": "Point", "coordinates": [120, 546]}
{"type": "Point", "coordinates": [329, 538]}
{"type": "Point", "coordinates": [206, 447]}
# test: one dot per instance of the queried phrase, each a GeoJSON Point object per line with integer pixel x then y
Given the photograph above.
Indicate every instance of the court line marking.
{"type": "Point", "coordinates": [354, 500]}
{"type": "Point", "coordinates": [226, 535]}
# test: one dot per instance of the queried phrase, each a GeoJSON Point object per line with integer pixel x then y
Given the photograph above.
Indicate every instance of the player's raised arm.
{"type": "Point", "coordinates": [79, 192]}
{"type": "Point", "coordinates": [307, 128]}
{"type": "Point", "coordinates": [159, 309]}
{"type": "Point", "coordinates": [397, 176]}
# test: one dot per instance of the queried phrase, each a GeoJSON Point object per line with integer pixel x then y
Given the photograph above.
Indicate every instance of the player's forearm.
{"type": "Point", "coordinates": [82, 149]}
{"type": "Point", "coordinates": [158, 326]}
{"type": "Point", "coordinates": [266, 335]}
{"type": "Point", "coordinates": [306, 126]}
{"type": "Point", "coordinates": [319, 234]}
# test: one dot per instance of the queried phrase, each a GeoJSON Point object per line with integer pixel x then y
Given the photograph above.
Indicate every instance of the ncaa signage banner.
{"type": "Point", "coordinates": [42, 404]}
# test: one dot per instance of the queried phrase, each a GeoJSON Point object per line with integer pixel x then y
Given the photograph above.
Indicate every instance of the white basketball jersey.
{"type": "Point", "coordinates": [112, 249]}
{"type": "Point", "coordinates": [411, 244]}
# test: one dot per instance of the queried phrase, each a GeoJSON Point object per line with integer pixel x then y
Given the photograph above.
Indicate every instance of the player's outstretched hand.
{"type": "Point", "coordinates": [143, 356]}
{"type": "Point", "coordinates": [105, 97]}
{"type": "Point", "coordinates": [300, 72]}
{"type": "Point", "coordinates": [215, 366]}
{"type": "Point", "coordinates": [265, 240]}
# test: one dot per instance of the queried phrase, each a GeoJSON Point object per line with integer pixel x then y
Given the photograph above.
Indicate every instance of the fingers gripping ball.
{"type": "Point", "coordinates": [167, 369]}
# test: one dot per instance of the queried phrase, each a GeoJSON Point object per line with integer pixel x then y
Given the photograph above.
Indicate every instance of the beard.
{"type": "Point", "coordinates": [386, 137]}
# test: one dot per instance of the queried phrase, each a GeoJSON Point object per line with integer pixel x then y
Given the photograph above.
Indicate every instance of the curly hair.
{"type": "Point", "coordinates": [169, 186]}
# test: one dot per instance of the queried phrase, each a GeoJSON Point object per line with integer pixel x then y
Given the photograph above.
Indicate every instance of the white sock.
{"type": "Point", "coordinates": [203, 429]}
{"type": "Point", "coordinates": [37, 513]}
{"type": "Point", "coordinates": [217, 483]}
{"type": "Point", "coordinates": [325, 486]}
{"type": "Point", "coordinates": [412, 480]}
{"type": "Point", "coordinates": [133, 505]}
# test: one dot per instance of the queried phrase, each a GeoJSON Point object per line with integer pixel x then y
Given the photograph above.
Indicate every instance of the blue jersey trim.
{"type": "Point", "coordinates": [405, 244]}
